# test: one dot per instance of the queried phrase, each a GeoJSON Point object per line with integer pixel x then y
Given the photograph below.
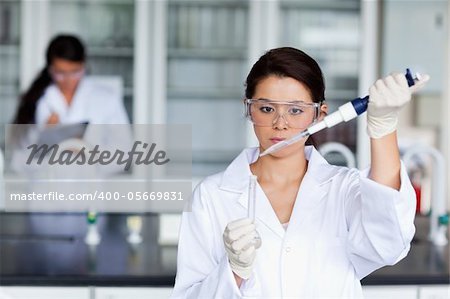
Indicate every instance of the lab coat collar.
{"type": "Point", "coordinates": [235, 178]}
{"type": "Point", "coordinates": [311, 192]}
{"type": "Point", "coordinates": [57, 98]}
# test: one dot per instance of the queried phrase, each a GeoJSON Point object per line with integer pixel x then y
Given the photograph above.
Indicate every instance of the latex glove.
{"type": "Point", "coordinates": [238, 237]}
{"type": "Point", "coordinates": [386, 98]}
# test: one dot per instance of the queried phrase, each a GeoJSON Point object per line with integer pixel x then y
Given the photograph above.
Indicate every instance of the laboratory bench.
{"type": "Point", "coordinates": [48, 249]}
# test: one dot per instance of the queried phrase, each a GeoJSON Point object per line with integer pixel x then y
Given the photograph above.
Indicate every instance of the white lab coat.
{"type": "Point", "coordinates": [92, 102]}
{"type": "Point", "coordinates": [96, 104]}
{"type": "Point", "coordinates": [343, 226]}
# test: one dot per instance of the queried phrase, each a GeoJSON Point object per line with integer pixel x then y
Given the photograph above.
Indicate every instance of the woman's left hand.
{"type": "Point", "coordinates": [53, 119]}
{"type": "Point", "coordinates": [386, 98]}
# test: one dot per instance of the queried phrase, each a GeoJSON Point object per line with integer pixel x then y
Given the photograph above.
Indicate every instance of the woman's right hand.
{"type": "Point", "coordinates": [53, 119]}
{"type": "Point", "coordinates": [239, 239]}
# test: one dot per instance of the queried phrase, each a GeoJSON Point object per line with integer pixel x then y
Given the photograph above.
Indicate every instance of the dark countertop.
{"type": "Point", "coordinates": [49, 249]}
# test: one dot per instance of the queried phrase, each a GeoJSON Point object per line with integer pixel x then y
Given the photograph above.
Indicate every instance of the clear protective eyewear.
{"type": "Point", "coordinates": [296, 114]}
{"type": "Point", "coordinates": [59, 76]}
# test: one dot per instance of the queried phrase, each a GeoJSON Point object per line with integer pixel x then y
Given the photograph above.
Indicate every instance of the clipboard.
{"type": "Point", "coordinates": [58, 133]}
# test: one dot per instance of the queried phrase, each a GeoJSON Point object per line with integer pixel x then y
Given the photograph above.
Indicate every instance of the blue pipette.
{"type": "Point", "coordinates": [346, 112]}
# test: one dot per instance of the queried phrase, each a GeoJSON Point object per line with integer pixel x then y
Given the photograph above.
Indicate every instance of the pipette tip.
{"type": "Point", "coordinates": [274, 148]}
{"type": "Point", "coordinates": [266, 152]}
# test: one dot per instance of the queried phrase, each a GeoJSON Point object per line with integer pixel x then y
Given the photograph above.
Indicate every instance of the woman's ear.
{"type": "Point", "coordinates": [323, 111]}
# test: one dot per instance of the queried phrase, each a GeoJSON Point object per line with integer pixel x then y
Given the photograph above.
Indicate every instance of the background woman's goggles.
{"type": "Point", "coordinates": [62, 75]}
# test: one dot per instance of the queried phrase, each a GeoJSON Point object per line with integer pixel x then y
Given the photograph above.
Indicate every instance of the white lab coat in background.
{"type": "Point", "coordinates": [343, 226]}
{"type": "Point", "coordinates": [92, 102]}
{"type": "Point", "coordinates": [96, 104]}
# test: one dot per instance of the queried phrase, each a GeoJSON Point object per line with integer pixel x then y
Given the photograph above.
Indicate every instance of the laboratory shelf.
{"type": "Point", "coordinates": [346, 5]}
{"type": "Point", "coordinates": [209, 53]}
{"type": "Point", "coordinates": [110, 51]}
{"type": "Point", "coordinates": [206, 3]}
{"type": "Point", "coordinates": [204, 93]}
{"type": "Point", "coordinates": [9, 49]}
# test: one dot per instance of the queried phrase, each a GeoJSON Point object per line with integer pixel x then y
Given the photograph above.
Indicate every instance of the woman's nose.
{"type": "Point", "coordinates": [279, 122]}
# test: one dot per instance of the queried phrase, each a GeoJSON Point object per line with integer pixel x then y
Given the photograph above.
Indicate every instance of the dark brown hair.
{"type": "Point", "coordinates": [66, 47]}
{"type": "Point", "coordinates": [288, 62]}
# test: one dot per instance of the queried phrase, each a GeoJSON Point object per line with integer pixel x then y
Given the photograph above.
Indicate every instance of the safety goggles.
{"type": "Point", "coordinates": [59, 76]}
{"type": "Point", "coordinates": [296, 114]}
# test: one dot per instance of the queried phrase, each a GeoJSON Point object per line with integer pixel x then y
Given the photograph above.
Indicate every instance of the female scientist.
{"type": "Point", "coordinates": [62, 95]}
{"type": "Point", "coordinates": [322, 227]}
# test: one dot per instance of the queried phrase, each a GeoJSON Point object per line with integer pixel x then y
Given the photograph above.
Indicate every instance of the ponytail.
{"type": "Point", "coordinates": [28, 102]}
{"type": "Point", "coordinates": [68, 47]}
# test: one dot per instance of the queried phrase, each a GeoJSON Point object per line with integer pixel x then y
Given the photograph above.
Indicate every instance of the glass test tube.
{"type": "Point", "coordinates": [252, 197]}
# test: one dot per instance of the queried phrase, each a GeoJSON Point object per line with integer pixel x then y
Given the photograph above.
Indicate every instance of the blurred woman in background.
{"type": "Point", "coordinates": [61, 94]}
